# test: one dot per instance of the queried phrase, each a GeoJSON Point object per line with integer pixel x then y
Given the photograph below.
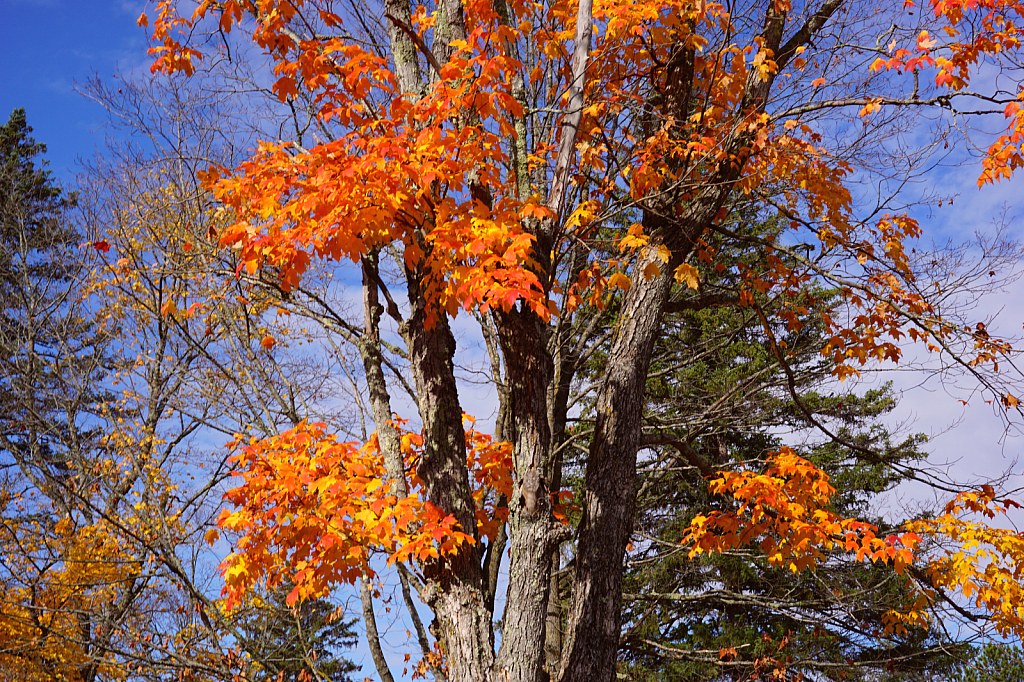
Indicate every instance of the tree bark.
{"type": "Point", "coordinates": [533, 531]}
{"type": "Point", "coordinates": [592, 638]}
{"type": "Point", "coordinates": [376, 382]}
{"type": "Point", "coordinates": [372, 636]}
{"type": "Point", "coordinates": [455, 589]}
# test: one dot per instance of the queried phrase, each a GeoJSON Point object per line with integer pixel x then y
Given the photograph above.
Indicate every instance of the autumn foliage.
{"type": "Point", "coordinates": [785, 512]}
{"type": "Point", "coordinates": [568, 172]}
{"type": "Point", "coordinates": [314, 511]}
{"type": "Point", "coordinates": [980, 561]}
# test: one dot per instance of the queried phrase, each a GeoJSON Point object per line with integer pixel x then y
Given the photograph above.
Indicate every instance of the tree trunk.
{"type": "Point", "coordinates": [455, 589]}
{"type": "Point", "coordinates": [592, 637]}
{"type": "Point", "coordinates": [533, 531]}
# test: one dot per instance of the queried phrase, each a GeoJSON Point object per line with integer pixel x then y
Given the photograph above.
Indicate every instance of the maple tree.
{"type": "Point", "coordinates": [197, 366]}
{"type": "Point", "coordinates": [105, 384]}
{"type": "Point", "coordinates": [481, 150]}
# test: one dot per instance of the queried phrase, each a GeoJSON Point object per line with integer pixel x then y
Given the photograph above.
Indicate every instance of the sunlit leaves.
{"type": "Point", "coordinates": [970, 33]}
{"type": "Point", "coordinates": [784, 512]}
{"type": "Point", "coordinates": [982, 562]}
{"type": "Point", "coordinates": [689, 274]}
{"type": "Point", "coordinates": [54, 575]}
{"type": "Point", "coordinates": [392, 178]}
{"type": "Point", "coordinates": [314, 510]}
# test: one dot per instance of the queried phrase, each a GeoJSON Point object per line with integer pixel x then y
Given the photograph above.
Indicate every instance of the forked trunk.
{"type": "Point", "coordinates": [592, 637]}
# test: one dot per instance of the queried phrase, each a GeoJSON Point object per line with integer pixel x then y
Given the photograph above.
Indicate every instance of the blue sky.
{"type": "Point", "coordinates": [48, 46]}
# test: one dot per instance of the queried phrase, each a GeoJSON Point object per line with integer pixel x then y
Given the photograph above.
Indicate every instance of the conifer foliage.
{"type": "Point", "coordinates": [51, 353]}
{"type": "Point", "coordinates": [59, 566]}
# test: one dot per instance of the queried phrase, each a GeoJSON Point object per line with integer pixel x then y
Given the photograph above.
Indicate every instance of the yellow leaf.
{"type": "Point", "coordinates": [687, 273]}
{"type": "Point", "coordinates": [620, 281]}
{"type": "Point", "coordinates": [869, 107]}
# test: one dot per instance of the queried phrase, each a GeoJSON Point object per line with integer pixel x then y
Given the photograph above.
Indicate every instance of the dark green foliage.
{"type": "Point", "coordinates": [52, 358]}
{"type": "Point", "coordinates": [304, 642]}
{"type": "Point", "coordinates": [826, 624]}
{"type": "Point", "coordinates": [995, 663]}
{"type": "Point", "coordinates": [32, 210]}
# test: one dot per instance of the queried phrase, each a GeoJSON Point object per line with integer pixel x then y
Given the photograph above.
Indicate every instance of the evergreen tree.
{"type": "Point", "coordinates": [724, 391]}
{"type": "Point", "coordinates": [760, 384]}
{"type": "Point", "coordinates": [299, 643]}
{"type": "Point", "coordinates": [995, 663]}
{"type": "Point", "coordinates": [52, 358]}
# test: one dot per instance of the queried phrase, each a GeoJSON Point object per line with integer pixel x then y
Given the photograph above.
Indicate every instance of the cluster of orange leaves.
{"type": "Point", "coordinates": [974, 30]}
{"type": "Point", "coordinates": [784, 511]}
{"type": "Point", "coordinates": [401, 171]}
{"type": "Point", "coordinates": [313, 509]}
{"type": "Point", "coordinates": [392, 177]}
